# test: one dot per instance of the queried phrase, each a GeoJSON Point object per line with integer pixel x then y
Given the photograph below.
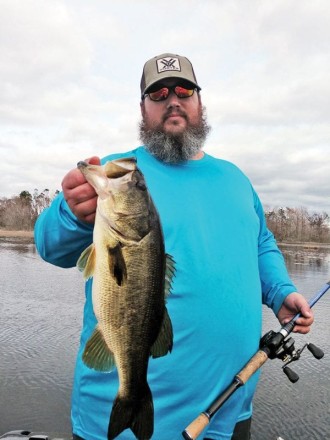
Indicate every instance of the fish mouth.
{"type": "Point", "coordinates": [112, 169]}
{"type": "Point", "coordinates": [108, 177]}
{"type": "Point", "coordinates": [120, 167]}
{"type": "Point", "coordinates": [90, 170]}
{"type": "Point", "coordinates": [95, 176]}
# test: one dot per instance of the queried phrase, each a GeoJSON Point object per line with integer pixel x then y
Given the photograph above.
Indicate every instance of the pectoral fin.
{"type": "Point", "coordinates": [117, 264]}
{"type": "Point", "coordinates": [86, 262]}
{"type": "Point", "coordinates": [164, 341]}
{"type": "Point", "coordinates": [97, 354]}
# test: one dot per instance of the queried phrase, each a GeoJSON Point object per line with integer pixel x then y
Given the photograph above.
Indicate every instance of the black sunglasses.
{"type": "Point", "coordinates": [163, 93]}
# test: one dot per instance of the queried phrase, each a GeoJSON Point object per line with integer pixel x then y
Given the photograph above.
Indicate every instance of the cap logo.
{"type": "Point", "coordinates": [169, 63]}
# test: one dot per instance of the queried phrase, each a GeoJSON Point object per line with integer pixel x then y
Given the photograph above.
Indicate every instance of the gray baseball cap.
{"type": "Point", "coordinates": [167, 65]}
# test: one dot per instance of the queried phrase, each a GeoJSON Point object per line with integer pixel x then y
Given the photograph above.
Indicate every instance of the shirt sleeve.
{"type": "Point", "coordinates": [275, 280]}
{"type": "Point", "coordinates": [59, 236]}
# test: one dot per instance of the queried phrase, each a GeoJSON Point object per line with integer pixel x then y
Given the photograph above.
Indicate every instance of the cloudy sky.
{"type": "Point", "coordinates": [70, 73]}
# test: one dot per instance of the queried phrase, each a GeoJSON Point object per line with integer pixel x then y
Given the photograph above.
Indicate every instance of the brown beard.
{"type": "Point", "coordinates": [177, 147]}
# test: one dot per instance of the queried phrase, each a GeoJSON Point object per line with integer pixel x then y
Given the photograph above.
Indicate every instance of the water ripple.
{"type": "Point", "coordinates": [41, 310]}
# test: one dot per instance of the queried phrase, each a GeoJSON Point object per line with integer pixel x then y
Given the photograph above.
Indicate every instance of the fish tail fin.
{"type": "Point", "coordinates": [137, 414]}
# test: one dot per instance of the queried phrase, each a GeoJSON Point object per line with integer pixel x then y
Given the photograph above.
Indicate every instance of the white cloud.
{"type": "Point", "coordinates": [70, 72]}
{"type": "Point", "coordinates": [41, 38]}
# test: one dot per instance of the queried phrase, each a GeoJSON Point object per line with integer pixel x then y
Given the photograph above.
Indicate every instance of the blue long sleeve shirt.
{"type": "Point", "coordinates": [227, 265]}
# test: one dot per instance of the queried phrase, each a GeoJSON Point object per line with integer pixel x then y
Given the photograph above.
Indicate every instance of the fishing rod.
{"type": "Point", "coordinates": [272, 345]}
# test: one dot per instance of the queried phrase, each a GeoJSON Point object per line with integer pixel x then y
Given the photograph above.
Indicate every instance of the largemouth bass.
{"type": "Point", "coordinates": [131, 278]}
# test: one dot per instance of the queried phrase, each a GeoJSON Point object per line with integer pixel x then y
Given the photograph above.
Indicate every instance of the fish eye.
{"type": "Point", "coordinates": [141, 185]}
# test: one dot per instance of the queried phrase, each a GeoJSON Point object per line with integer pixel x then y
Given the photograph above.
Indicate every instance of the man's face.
{"type": "Point", "coordinates": [173, 115]}
{"type": "Point", "coordinates": [174, 130]}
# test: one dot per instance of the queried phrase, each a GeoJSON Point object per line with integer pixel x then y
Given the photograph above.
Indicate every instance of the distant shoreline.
{"type": "Point", "coordinates": [29, 234]}
{"type": "Point", "coordinates": [306, 244]}
{"type": "Point", "coordinates": [25, 234]}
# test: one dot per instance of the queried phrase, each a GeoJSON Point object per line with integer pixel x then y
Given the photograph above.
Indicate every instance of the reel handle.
{"type": "Point", "coordinates": [291, 375]}
{"type": "Point", "coordinates": [316, 351]}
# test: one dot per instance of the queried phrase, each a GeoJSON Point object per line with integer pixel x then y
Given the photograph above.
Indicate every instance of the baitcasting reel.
{"type": "Point", "coordinates": [285, 350]}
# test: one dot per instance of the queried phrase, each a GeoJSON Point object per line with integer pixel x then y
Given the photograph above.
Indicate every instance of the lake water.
{"type": "Point", "coordinates": [41, 312]}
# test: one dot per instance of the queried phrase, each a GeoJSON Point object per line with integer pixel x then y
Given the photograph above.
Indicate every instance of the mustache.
{"type": "Point", "coordinates": [177, 112]}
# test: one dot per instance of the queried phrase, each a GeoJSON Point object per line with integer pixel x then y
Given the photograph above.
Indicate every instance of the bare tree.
{"type": "Point", "coordinates": [319, 226]}
{"type": "Point", "coordinates": [298, 225]}
{"type": "Point", "coordinates": [20, 212]}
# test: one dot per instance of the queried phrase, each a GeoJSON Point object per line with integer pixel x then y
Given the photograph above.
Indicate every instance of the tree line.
{"type": "Point", "coordinates": [298, 225]}
{"type": "Point", "coordinates": [20, 213]}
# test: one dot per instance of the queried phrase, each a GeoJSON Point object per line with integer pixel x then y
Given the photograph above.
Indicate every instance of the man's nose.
{"type": "Point", "coordinates": [173, 100]}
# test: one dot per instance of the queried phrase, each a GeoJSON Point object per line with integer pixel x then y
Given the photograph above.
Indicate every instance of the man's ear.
{"type": "Point", "coordinates": [142, 108]}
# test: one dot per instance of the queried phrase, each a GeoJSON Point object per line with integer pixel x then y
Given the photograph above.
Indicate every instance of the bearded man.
{"type": "Point", "coordinates": [227, 265]}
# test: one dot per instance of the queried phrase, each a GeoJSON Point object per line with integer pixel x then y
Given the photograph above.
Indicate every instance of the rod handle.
{"type": "Point", "coordinates": [196, 427]}
{"type": "Point", "coordinates": [252, 366]}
